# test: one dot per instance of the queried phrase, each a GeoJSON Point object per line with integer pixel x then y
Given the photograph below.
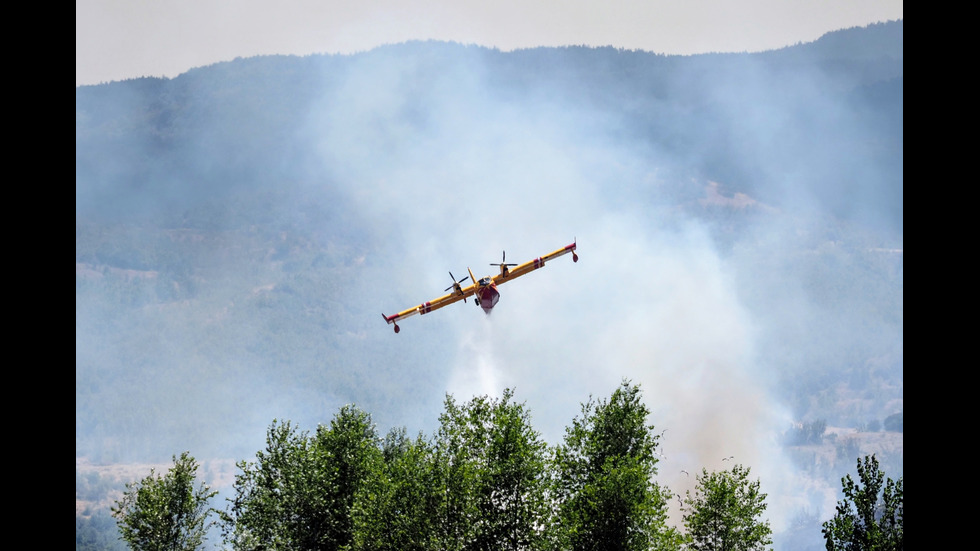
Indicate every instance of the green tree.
{"type": "Point", "coordinates": [397, 507]}
{"type": "Point", "coordinates": [725, 512]}
{"type": "Point", "coordinates": [98, 532]}
{"type": "Point", "coordinates": [512, 481]}
{"type": "Point", "coordinates": [493, 468]}
{"type": "Point", "coordinates": [871, 515]}
{"type": "Point", "coordinates": [349, 447]}
{"type": "Point", "coordinates": [895, 422]}
{"type": "Point", "coordinates": [813, 431]}
{"type": "Point", "coordinates": [603, 484]}
{"type": "Point", "coordinates": [166, 512]}
{"type": "Point", "coordinates": [456, 474]}
{"type": "Point", "coordinates": [299, 491]}
{"type": "Point", "coordinates": [272, 499]}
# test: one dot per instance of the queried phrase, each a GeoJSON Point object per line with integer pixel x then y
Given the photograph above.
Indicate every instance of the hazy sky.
{"type": "Point", "coordinates": [121, 39]}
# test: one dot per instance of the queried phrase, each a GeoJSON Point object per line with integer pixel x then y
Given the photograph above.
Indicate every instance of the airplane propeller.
{"type": "Point", "coordinates": [503, 260]}
{"type": "Point", "coordinates": [456, 283]}
{"type": "Point", "coordinates": [503, 264]}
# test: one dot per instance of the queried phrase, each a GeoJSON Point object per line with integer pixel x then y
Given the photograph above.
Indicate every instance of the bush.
{"type": "Point", "coordinates": [893, 422]}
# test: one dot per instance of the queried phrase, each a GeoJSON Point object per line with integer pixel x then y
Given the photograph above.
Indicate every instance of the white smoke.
{"type": "Point", "coordinates": [448, 171]}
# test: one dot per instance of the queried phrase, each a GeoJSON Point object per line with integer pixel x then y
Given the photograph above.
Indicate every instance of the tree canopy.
{"type": "Point", "coordinates": [299, 491]}
{"type": "Point", "coordinates": [166, 513]}
{"type": "Point", "coordinates": [725, 513]}
{"type": "Point", "coordinates": [871, 516]}
{"type": "Point", "coordinates": [485, 480]}
{"type": "Point", "coordinates": [604, 487]}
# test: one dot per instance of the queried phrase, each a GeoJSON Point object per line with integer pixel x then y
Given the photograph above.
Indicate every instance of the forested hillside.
{"type": "Point", "coordinates": [739, 218]}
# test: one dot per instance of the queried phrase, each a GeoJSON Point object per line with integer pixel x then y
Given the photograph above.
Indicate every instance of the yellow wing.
{"type": "Point", "coordinates": [506, 273]}
{"type": "Point", "coordinates": [459, 293]}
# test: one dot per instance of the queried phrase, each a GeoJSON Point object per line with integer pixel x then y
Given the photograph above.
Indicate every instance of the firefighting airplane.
{"type": "Point", "coordinates": [484, 291]}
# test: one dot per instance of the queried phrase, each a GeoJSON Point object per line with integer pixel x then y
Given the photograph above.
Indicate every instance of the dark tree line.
{"type": "Point", "coordinates": [484, 481]}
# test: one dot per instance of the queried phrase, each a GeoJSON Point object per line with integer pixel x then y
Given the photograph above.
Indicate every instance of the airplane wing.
{"type": "Point", "coordinates": [507, 274]}
{"type": "Point", "coordinates": [456, 295]}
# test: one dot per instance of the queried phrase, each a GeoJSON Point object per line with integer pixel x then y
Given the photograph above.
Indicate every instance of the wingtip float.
{"type": "Point", "coordinates": [484, 291]}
